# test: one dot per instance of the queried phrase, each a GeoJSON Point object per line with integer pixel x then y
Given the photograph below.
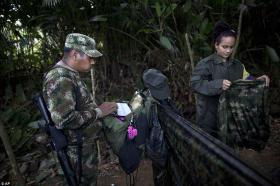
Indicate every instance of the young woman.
{"type": "Point", "coordinates": [214, 74]}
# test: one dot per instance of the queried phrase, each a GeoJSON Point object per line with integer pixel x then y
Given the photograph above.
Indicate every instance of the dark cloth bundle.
{"type": "Point", "coordinates": [243, 118]}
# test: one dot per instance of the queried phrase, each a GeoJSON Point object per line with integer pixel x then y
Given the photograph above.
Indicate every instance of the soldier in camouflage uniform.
{"type": "Point", "coordinates": [71, 104]}
{"type": "Point", "coordinates": [214, 74]}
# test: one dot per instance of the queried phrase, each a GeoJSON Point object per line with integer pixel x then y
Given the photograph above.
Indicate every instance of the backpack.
{"type": "Point", "coordinates": [131, 150]}
{"type": "Point", "coordinates": [115, 129]}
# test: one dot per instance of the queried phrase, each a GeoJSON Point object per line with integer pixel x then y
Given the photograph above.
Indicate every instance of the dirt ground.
{"type": "Point", "coordinates": [268, 160]}
{"type": "Point", "coordinates": [112, 175]}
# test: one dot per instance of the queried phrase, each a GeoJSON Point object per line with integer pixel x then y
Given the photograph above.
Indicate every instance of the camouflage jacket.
{"type": "Point", "coordinates": [243, 117]}
{"type": "Point", "coordinates": [68, 100]}
{"type": "Point", "coordinates": [207, 79]}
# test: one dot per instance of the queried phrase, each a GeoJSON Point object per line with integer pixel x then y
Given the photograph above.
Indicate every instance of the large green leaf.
{"type": "Point", "coordinates": [187, 6]}
{"type": "Point", "coordinates": [165, 42]}
{"type": "Point", "coordinates": [272, 54]}
{"type": "Point", "coordinates": [158, 9]}
{"type": "Point", "coordinates": [204, 26]}
{"type": "Point", "coordinates": [36, 124]}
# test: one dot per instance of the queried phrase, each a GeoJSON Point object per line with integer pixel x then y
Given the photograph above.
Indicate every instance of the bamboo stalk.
{"type": "Point", "coordinates": [192, 64]}
{"type": "Point", "coordinates": [189, 51]}
{"type": "Point", "coordinates": [242, 10]}
{"type": "Point", "coordinates": [5, 138]}
{"type": "Point", "coordinates": [92, 74]}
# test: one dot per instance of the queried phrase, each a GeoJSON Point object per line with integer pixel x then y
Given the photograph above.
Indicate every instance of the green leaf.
{"type": "Point", "coordinates": [16, 135]}
{"type": "Point", "coordinates": [158, 9]}
{"type": "Point", "coordinates": [165, 42]}
{"type": "Point", "coordinates": [272, 54]}
{"type": "Point", "coordinates": [36, 124]}
{"type": "Point", "coordinates": [173, 6]}
{"type": "Point", "coordinates": [20, 95]}
{"type": "Point", "coordinates": [8, 93]}
{"type": "Point", "coordinates": [123, 5]}
{"type": "Point", "coordinates": [251, 3]}
{"type": "Point", "coordinates": [147, 31]}
{"type": "Point", "coordinates": [187, 6]}
{"type": "Point", "coordinates": [98, 18]}
{"type": "Point", "coordinates": [168, 10]}
{"type": "Point", "coordinates": [203, 26]}
{"type": "Point", "coordinates": [145, 3]}
{"type": "Point", "coordinates": [7, 114]}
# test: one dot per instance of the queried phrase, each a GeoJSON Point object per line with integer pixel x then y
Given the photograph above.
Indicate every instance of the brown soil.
{"type": "Point", "coordinates": [268, 160]}
{"type": "Point", "coordinates": [112, 175]}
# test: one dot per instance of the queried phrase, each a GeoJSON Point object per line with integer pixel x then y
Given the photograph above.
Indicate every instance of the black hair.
{"type": "Point", "coordinates": [222, 29]}
{"type": "Point", "coordinates": [67, 50]}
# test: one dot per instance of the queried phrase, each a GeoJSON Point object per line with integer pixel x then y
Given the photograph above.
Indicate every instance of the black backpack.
{"type": "Point", "coordinates": [130, 152]}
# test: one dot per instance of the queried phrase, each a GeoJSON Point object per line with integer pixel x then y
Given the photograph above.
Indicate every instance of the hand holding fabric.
{"type": "Point", "coordinates": [226, 84]}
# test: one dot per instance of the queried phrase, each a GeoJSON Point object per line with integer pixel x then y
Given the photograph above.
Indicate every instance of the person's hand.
{"type": "Point", "coordinates": [226, 84]}
{"type": "Point", "coordinates": [108, 108]}
{"type": "Point", "coordinates": [265, 78]}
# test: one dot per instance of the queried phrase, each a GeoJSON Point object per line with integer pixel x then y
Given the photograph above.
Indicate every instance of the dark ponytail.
{"type": "Point", "coordinates": [222, 29]}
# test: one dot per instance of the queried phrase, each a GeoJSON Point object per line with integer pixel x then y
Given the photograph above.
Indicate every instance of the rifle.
{"type": "Point", "coordinates": [58, 141]}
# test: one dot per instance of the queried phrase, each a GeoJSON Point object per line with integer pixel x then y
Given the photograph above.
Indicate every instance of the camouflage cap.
{"type": "Point", "coordinates": [83, 43]}
{"type": "Point", "coordinates": [157, 83]}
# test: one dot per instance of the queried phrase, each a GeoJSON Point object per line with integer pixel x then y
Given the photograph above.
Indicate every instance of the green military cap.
{"type": "Point", "coordinates": [83, 43]}
{"type": "Point", "coordinates": [157, 83]}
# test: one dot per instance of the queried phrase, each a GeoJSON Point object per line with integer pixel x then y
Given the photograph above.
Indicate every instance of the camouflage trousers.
{"type": "Point", "coordinates": [89, 162]}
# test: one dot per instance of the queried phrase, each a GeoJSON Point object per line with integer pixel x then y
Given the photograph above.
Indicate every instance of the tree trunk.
{"type": "Point", "coordinates": [5, 138]}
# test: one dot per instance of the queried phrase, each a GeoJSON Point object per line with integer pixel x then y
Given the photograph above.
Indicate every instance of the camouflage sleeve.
{"type": "Point", "coordinates": [202, 82]}
{"type": "Point", "coordinates": [61, 104]}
